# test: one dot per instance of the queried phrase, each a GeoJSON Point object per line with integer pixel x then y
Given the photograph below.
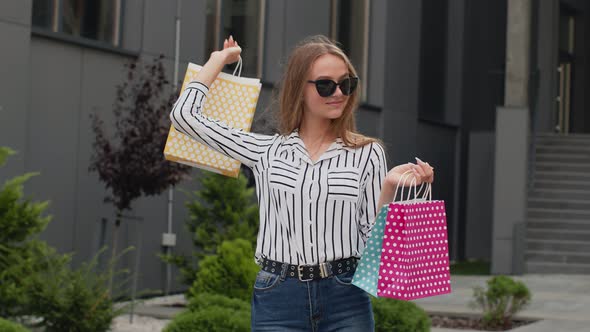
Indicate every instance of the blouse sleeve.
{"type": "Point", "coordinates": [186, 117]}
{"type": "Point", "coordinates": [377, 169]}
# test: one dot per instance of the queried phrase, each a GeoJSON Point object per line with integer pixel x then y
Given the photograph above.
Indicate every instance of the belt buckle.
{"type": "Point", "coordinates": [325, 269]}
{"type": "Point", "coordinates": [300, 273]}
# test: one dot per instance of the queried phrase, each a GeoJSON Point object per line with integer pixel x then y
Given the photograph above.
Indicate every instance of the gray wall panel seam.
{"type": "Point", "coordinates": [8, 21]}
{"type": "Point", "coordinates": [28, 103]}
{"type": "Point", "coordinates": [77, 152]}
{"type": "Point", "coordinates": [142, 27]}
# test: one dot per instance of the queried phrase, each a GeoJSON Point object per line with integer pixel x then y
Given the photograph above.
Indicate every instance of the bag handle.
{"type": "Point", "coordinates": [238, 66]}
{"type": "Point", "coordinates": [403, 180]}
{"type": "Point", "coordinates": [427, 195]}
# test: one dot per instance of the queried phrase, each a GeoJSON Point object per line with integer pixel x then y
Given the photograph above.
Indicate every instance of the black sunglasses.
{"type": "Point", "coordinates": [326, 87]}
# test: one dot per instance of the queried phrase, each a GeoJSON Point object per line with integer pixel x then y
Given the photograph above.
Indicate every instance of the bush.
{"type": "Point", "coordinates": [224, 209]}
{"type": "Point", "coordinates": [503, 298]}
{"type": "Point", "coordinates": [212, 319]}
{"type": "Point", "coordinates": [37, 281]}
{"type": "Point", "coordinates": [22, 255]}
{"type": "Point", "coordinates": [206, 300]}
{"type": "Point", "coordinates": [212, 312]}
{"type": "Point", "coordinates": [400, 316]}
{"type": "Point", "coordinates": [73, 300]}
{"type": "Point", "coordinates": [16, 279]}
{"type": "Point", "coordinates": [7, 326]}
{"type": "Point", "coordinates": [231, 272]}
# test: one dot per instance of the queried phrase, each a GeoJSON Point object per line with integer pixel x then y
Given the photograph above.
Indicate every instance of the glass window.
{"type": "Point", "coordinates": [350, 27]}
{"type": "Point", "coordinates": [90, 19]}
{"type": "Point", "coordinates": [433, 60]}
{"type": "Point", "coordinates": [243, 19]}
{"type": "Point", "coordinates": [43, 12]}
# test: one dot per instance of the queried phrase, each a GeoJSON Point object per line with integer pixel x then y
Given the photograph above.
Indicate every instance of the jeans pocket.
{"type": "Point", "coordinates": [345, 278]}
{"type": "Point", "coordinates": [266, 280]}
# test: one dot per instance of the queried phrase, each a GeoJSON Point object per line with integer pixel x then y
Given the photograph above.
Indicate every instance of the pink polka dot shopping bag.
{"type": "Point", "coordinates": [407, 254]}
{"type": "Point", "coordinates": [231, 100]}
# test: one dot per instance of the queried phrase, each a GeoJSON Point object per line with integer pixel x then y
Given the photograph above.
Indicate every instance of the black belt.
{"type": "Point", "coordinates": [310, 272]}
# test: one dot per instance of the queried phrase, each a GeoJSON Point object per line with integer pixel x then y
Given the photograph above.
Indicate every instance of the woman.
{"type": "Point", "coordinates": [319, 185]}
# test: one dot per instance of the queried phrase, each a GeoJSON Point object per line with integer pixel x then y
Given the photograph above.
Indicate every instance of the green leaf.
{"type": "Point", "coordinates": [5, 153]}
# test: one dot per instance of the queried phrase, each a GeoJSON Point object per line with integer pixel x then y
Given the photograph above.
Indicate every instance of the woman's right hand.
{"type": "Point", "coordinates": [230, 53]}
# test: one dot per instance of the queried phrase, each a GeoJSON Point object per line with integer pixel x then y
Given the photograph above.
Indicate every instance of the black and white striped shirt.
{"type": "Point", "coordinates": [310, 212]}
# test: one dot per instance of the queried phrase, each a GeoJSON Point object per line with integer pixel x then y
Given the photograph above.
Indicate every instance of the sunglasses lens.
{"type": "Point", "coordinates": [325, 87]}
{"type": "Point", "coordinates": [345, 86]}
{"type": "Point", "coordinates": [348, 85]}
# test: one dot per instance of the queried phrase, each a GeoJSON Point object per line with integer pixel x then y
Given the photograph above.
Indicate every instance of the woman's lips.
{"type": "Point", "coordinates": [335, 103]}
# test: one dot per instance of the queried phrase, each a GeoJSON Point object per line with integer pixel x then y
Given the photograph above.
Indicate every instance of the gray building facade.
{"type": "Point", "coordinates": [433, 74]}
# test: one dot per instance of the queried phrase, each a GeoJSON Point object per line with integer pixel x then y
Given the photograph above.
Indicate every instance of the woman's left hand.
{"type": "Point", "coordinates": [421, 171]}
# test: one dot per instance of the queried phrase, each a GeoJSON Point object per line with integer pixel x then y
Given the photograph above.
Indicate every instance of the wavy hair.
{"type": "Point", "coordinates": [291, 106]}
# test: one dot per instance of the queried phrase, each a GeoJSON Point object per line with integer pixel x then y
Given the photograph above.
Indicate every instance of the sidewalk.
{"type": "Point", "coordinates": [560, 302]}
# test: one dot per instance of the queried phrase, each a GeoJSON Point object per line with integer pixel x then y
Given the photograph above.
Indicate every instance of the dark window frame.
{"type": "Point", "coordinates": [215, 37]}
{"type": "Point", "coordinates": [54, 27]}
{"type": "Point", "coordinates": [335, 34]}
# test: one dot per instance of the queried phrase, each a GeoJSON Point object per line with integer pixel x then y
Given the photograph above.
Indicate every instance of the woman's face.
{"type": "Point", "coordinates": [316, 107]}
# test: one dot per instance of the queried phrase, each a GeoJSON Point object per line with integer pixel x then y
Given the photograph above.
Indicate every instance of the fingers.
{"type": "Point", "coordinates": [229, 42]}
{"type": "Point", "coordinates": [427, 171]}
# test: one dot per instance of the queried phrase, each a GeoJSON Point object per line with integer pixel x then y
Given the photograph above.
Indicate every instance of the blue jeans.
{"type": "Point", "coordinates": [332, 304]}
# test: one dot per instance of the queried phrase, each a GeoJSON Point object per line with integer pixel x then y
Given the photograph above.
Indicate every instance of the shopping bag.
{"type": "Point", "coordinates": [232, 100]}
{"type": "Point", "coordinates": [407, 255]}
{"type": "Point", "coordinates": [367, 270]}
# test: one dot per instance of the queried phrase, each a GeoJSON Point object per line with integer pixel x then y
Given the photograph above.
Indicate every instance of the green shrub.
{"type": "Point", "coordinates": [212, 312]}
{"type": "Point", "coordinates": [22, 255]}
{"type": "Point", "coordinates": [224, 209]}
{"type": "Point", "coordinates": [17, 278]}
{"type": "Point", "coordinates": [211, 319]}
{"type": "Point", "coordinates": [231, 272]}
{"type": "Point", "coordinates": [201, 301]}
{"type": "Point", "coordinates": [37, 281]}
{"type": "Point", "coordinates": [503, 298]}
{"type": "Point", "coordinates": [73, 300]}
{"type": "Point", "coordinates": [400, 316]}
{"type": "Point", "coordinates": [8, 326]}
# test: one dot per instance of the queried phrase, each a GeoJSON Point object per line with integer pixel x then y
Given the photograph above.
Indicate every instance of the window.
{"type": "Point", "coordinates": [244, 20]}
{"type": "Point", "coordinates": [433, 60]}
{"type": "Point", "coordinates": [566, 68]}
{"type": "Point", "coordinates": [350, 27]}
{"type": "Point", "coordinates": [90, 19]}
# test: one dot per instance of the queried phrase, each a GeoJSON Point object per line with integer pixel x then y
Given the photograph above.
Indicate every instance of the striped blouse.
{"type": "Point", "coordinates": [310, 212]}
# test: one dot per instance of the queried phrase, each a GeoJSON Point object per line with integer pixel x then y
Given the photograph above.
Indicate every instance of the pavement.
{"type": "Point", "coordinates": [560, 303]}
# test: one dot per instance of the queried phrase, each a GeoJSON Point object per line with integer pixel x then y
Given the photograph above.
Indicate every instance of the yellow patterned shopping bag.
{"type": "Point", "coordinates": [231, 100]}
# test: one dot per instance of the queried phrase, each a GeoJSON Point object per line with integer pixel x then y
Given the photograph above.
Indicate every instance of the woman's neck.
{"type": "Point", "coordinates": [317, 136]}
{"type": "Point", "coordinates": [315, 130]}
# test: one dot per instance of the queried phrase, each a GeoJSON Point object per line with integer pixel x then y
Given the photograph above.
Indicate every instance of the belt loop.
{"type": "Point", "coordinates": [284, 268]}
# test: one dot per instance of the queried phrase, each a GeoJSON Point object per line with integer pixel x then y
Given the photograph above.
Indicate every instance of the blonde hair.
{"type": "Point", "coordinates": [291, 106]}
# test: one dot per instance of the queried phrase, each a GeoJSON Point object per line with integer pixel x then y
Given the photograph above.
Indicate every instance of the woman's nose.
{"type": "Point", "coordinates": [338, 92]}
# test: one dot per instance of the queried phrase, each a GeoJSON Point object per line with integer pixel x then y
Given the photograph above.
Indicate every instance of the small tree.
{"type": "Point", "coordinates": [224, 209]}
{"type": "Point", "coordinates": [21, 253]}
{"type": "Point", "coordinates": [503, 298]}
{"type": "Point", "coordinates": [74, 300]}
{"type": "Point", "coordinates": [37, 281]}
{"type": "Point", "coordinates": [231, 272]}
{"type": "Point", "coordinates": [131, 162]}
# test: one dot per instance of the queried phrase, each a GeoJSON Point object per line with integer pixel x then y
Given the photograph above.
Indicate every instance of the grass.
{"type": "Point", "coordinates": [471, 267]}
